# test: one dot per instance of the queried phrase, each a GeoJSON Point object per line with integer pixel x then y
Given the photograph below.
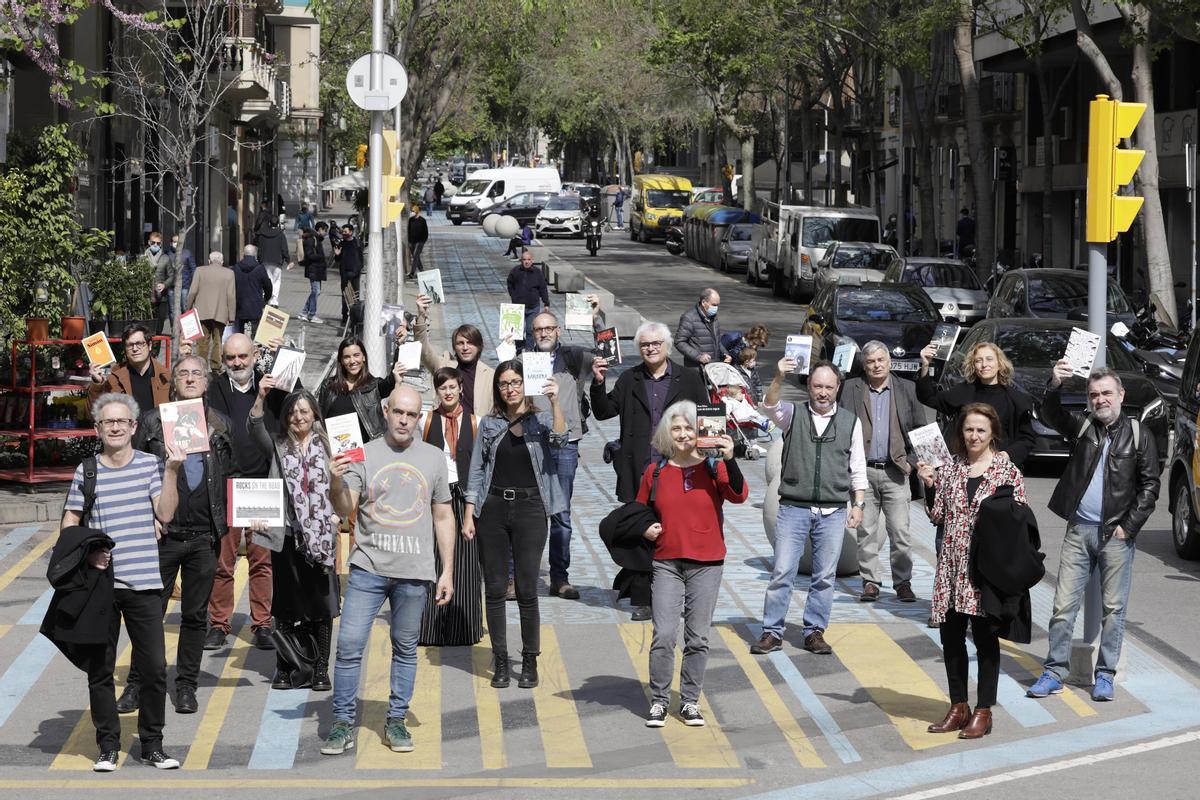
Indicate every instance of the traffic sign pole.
{"type": "Point", "coordinates": [372, 296]}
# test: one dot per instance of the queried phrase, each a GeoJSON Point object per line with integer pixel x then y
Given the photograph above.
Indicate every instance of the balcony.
{"type": "Point", "coordinates": [247, 69]}
{"type": "Point", "coordinates": [269, 111]}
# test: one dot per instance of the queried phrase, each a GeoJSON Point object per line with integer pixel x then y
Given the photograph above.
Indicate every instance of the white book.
{"type": "Point", "coordinates": [189, 325]}
{"type": "Point", "coordinates": [929, 445]}
{"type": "Point", "coordinates": [409, 354]}
{"type": "Point", "coordinates": [579, 312]}
{"type": "Point", "coordinates": [286, 370]}
{"type": "Point", "coordinates": [254, 499]}
{"type": "Point", "coordinates": [507, 351]}
{"type": "Point", "coordinates": [1081, 351]}
{"type": "Point", "coordinates": [536, 368]}
{"type": "Point", "coordinates": [843, 356]}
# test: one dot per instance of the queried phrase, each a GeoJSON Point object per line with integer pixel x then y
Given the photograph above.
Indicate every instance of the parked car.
{"type": "Point", "coordinates": [769, 237]}
{"type": "Point", "coordinates": [952, 286]}
{"type": "Point", "coordinates": [562, 216]}
{"type": "Point", "coordinates": [1053, 294]}
{"type": "Point", "coordinates": [656, 201]}
{"type": "Point", "coordinates": [866, 261]}
{"type": "Point", "coordinates": [488, 187]}
{"type": "Point", "coordinates": [1183, 496]}
{"type": "Point", "coordinates": [809, 231]}
{"type": "Point", "coordinates": [735, 247]}
{"type": "Point", "coordinates": [899, 315]}
{"type": "Point", "coordinates": [589, 192]}
{"type": "Point", "coordinates": [524, 207]}
{"type": "Point", "coordinates": [704, 226]}
{"type": "Point", "coordinates": [1034, 345]}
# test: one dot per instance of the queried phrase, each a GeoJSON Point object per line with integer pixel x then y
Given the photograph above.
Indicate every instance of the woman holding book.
{"type": "Point", "coordinates": [451, 428]}
{"type": "Point", "coordinates": [352, 389]}
{"type": "Point", "coordinates": [510, 496]}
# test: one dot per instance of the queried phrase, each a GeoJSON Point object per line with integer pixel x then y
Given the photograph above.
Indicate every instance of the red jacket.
{"type": "Point", "coordinates": [691, 519]}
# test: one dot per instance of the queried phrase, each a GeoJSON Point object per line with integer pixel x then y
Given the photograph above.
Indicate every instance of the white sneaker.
{"type": "Point", "coordinates": [302, 316]}
{"type": "Point", "coordinates": [316, 320]}
{"type": "Point", "coordinates": [107, 762]}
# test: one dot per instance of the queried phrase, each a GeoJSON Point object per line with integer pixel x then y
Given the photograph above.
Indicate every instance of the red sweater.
{"type": "Point", "coordinates": [691, 520]}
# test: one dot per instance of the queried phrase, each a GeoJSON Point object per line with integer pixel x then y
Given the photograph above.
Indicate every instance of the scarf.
{"type": "Point", "coordinates": [307, 476]}
{"type": "Point", "coordinates": [450, 425]}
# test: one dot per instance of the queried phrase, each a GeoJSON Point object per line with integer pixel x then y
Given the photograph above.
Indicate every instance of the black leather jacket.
{"type": "Point", "coordinates": [368, 402]}
{"type": "Point", "coordinates": [218, 461]}
{"type": "Point", "coordinates": [1131, 481]}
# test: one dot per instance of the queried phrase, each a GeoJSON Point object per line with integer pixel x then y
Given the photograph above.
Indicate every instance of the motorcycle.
{"type": "Point", "coordinates": [592, 231]}
{"type": "Point", "coordinates": [674, 236]}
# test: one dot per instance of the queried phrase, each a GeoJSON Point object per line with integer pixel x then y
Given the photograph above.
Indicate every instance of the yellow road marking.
{"type": "Point", "coordinates": [17, 569]}
{"type": "Point", "coordinates": [372, 754]}
{"type": "Point", "coordinates": [558, 718]}
{"type": "Point", "coordinates": [487, 708]}
{"type": "Point", "coordinates": [1034, 668]}
{"type": "Point", "coordinates": [382, 783]}
{"type": "Point", "coordinates": [900, 688]}
{"type": "Point", "coordinates": [691, 748]}
{"type": "Point", "coordinates": [424, 719]}
{"type": "Point", "coordinates": [806, 754]}
{"type": "Point", "coordinates": [4, 629]}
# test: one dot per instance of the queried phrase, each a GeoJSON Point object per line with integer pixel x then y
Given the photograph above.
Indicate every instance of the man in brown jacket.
{"type": "Point", "coordinates": [214, 296]}
{"type": "Point", "coordinates": [140, 377]}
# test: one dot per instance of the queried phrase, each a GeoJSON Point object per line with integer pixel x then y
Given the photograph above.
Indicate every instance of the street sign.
{"type": "Point", "coordinates": [382, 98]}
{"type": "Point", "coordinates": [1004, 164]}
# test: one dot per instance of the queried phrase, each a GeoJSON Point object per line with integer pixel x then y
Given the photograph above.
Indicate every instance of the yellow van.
{"type": "Point", "coordinates": [657, 201]}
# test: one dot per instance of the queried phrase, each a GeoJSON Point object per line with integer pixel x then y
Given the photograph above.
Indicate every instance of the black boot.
{"type": "Point", "coordinates": [282, 679]}
{"type": "Point", "coordinates": [500, 676]}
{"type": "Point", "coordinates": [324, 634]}
{"type": "Point", "coordinates": [529, 676]}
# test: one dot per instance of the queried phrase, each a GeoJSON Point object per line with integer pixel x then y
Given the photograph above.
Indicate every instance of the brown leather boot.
{"type": "Point", "coordinates": [956, 717]}
{"type": "Point", "coordinates": [979, 726]}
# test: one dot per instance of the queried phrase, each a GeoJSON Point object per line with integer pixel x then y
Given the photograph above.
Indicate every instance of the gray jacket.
{"type": "Point", "coordinates": [539, 438]}
{"type": "Point", "coordinates": [696, 335]}
{"type": "Point", "coordinates": [909, 413]}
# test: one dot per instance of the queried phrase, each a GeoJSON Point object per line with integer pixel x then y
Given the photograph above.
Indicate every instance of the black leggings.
{"type": "Point", "coordinates": [519, 527]}
{"type": "Point", "coordinates": [954, 652]}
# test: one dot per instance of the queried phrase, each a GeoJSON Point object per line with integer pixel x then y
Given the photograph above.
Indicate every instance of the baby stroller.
{"type": "Point", "coordinates": [747, 426]}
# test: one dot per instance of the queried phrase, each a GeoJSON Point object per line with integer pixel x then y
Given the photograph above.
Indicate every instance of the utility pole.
{"type": "Point", "coordinates": [373, 292]}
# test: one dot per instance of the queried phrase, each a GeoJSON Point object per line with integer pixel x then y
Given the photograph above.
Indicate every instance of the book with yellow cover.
{"type": "Point", "coordinates": [272, 325]}
{"type": "Point", "coordinates": [99, 352]}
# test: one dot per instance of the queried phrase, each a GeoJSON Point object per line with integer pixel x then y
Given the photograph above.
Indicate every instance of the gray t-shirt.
{"type": "Point", "coordinates": [394, 537]}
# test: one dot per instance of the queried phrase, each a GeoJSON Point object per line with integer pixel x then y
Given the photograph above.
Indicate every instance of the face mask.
{"type": "Point", "coordinates": [711, 311]}
{"type": "Point", "coordinates": [154, 248]}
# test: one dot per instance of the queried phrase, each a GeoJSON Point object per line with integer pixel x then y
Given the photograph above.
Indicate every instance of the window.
{"type": "Point", "coordinates": [820, 231]}
{"type": "Point", "coordinates": [1031, 347]}
{"type": "Point", "coordinates": [1062, 294]}
{"type": "Point", "coordinates": [566, 202]}
{"type": "Point", "coordinates": [949, 276]}
{"type": "Point", "coordinates": [875, 305]}
{"type": "Point", "coordinates": [667, 198]}
{"type": "Point", "coordinates": [497, 189]}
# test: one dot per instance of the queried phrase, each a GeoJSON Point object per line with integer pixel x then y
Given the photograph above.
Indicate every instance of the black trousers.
{"type": "Point", "coordinates": [197, 561]}
{"type": "Point", "coordinates": [954, 652]}
{"type": "Point", "coordinates": [414, 249]}
{"type": "Point", "coordinates": [354, 281]}
{"type": "Point", "coordinates": [239, 326]}
{"type": "Point", "coordinates": [519, 527]}
{"type": "Point", "coordinates": [142, 612]}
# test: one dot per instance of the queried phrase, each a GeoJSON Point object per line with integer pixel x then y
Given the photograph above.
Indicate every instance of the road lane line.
{"type": "Point", "coordinates": [896, 683]}
{"type": "Point", "coordinates": [17, 569]}
{"type": "Point", "coordinates": [37, 612]}
{"type": "Point", "coordinates": [279, 729]}
{"type": "Point", "coordinates": [373, 702]}
{"type": "Point", "coordinates": [487, 708]}
{"type": "Point", "coordinates": [558, 717]}
{"type": "Point", "coordinates": [1035, 669]}
{"type": "Point", "coordinates": [806, 754]}
{"type": "Point", "coordinates": [691, 748]}
{"type": "Point", "coordinates": [17, 537]}
{"type": "Point", "coordinates": [79, 751]}
{"type": "Point", "coordinates": [23, 673]}
{"type": "Point", "coordinates": [4, 629]}
{"type": "Point", "coordinates": [386, 784]}
{"type": "Point", "coordinates": [424, 719]}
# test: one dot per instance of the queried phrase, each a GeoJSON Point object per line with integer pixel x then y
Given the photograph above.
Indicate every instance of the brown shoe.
{"type": "Point", "coordinates": [870, 593]}
{"type": "Point", "coordinates": [769, 643]}
{"type": "Point", "coordinates": [979, 726]}
{"type": "Point", "coordinates": [955, 719]}
{"type": "Point", "coordinates": [904, 593]}
{"type": "Point", "coordinates": [815, 643]}
{"type": "Point", "coordinates": [564, 590]}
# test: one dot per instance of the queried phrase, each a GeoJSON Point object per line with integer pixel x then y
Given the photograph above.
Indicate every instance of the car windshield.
{"type": "Point", "coordinates": [1039, 349]}
{"type": "Point", "coordinates": [861, 258]}
{"type": "Point", "coordinates": [473, 187]}
{"type": "Point", "coordinates": [667, 198]}
{"type": "Point", "coordinates": [883, 305]}
{"type": "Point", "coordinates": [740, 233]}
{"type": "Point", "coordinates": [566, 202]}
{"type": "Point", "coordinates": [711, 196]}
{"type": "Point", "coordinates": [945, 276]}
{"type": "Point", "coordinates": [820, 231]}
{"type": "Point", "coordinates": [1062, 294]}
{"type": "Point", "coordinates": [588, 191]}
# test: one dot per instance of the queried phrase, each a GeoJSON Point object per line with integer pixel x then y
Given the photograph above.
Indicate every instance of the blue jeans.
{"type": "Point", "coordinates": [1082, 550]}
{"type": "Point", "coordinates": [365, 593]}
{"type": "Point", "coordinates": [618, 206]}
{"type": "Point", "coordinates": [793, 526]}
{"type": "Point", "coordinates": [310, 305]}
{"type": "Point", "coordinates": [566, 461]}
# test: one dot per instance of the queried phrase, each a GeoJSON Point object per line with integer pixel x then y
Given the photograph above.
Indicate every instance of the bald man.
{"type": "Point", "coordinates": [405, 512]}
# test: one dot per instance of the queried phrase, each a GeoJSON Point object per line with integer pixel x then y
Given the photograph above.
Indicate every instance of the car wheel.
{"type": "Point", "coordinates": [632, 234]}
{"type": "Point", "coordinates": [1183, 525]}
{"type": "Point", "coordinates": [794, 292]}
{"type": "Point", "coordinates": [777, 288]}
{"type": "Point", "coordinates": [457, 221]}
{"type": "Point", "coordinates": [751, 278]}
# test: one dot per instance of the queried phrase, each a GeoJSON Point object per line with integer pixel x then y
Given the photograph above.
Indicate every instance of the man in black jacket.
{"type": "Point", "coordinates": [418, 235]}
{"type": "Point", "coordinates": [253, 286]}
{"type": "Point", "coordinates": [189, 542]}
{"type": "Point", "coordinates": [273, 253]}
{"type": "Point", "coordinates": [1106, 494]}
{"type": "Point", "coordinates": [348, 255]}
{"type": "Point", "coordinates": [527, 287]}
{"type": "Point", "coordinates": [698, 336]}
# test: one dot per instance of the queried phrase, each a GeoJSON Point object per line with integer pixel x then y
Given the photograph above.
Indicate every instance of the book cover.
{"type": "Point", "coordinates": [505, 351]}
{"type": "Point", "coordinates": [99, 352]}
{"type": "Point", "coordinates": [711, 425]}
{"type": "Point", "coordinates": [1081, 351]}
{"type": "Point", "coordinates": [286, 370]}
{"type": "Point", "coordinates": [184, 425]}
{"type": "Point", "coordinates": [409, 354]}
{"type": "Point", "coordinates": [536, 369]}
{"type": "Point", "coordinates": [190, 327]}
{"type": "Point", "coordinates": [249, 500]}
{"type": "Point", "coordinates": [843, 356]}
{"type": "Point", "coordinates": [345, 436]}
{"type": "Point", "coordinates": [429, 283]}
{"type": "Point", "coordinates": [272, 325]}
{"type": "Point", "coordinates": [798, 347]}
{"type": "Point", "coordinates": [608, 345]}
{"type": "Point", "coordinates": [929, 445]}
{"type": "Point", "coordinates": [945, 335]}
{"type": "Point", "coordinates": [512, 321]}
{"type": "Point", "coordinates": [579, 312]}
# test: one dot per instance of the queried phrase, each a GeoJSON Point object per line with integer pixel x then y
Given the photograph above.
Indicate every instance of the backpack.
{"type": "Point", "coordinates": [88, 488]}
{"type": "Point", "coordinates": [573, 358]}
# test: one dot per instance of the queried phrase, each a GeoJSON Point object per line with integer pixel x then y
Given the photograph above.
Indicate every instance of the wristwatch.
{"type": "Point", "coordinates": [859, 504]}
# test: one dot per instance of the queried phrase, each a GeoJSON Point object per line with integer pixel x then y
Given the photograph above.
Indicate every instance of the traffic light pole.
{"type": "Point", "coordinates": [372, 294]}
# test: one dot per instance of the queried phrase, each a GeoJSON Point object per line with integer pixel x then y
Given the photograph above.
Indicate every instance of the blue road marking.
{"type": "Point", "coordinates": [23, 673]}
{"type": "Point", "coordinates": [279, 730]}
{"type": "Point", "coordinates": [17, 537]}
{"type": "Point", "coordinates": [37, 612]}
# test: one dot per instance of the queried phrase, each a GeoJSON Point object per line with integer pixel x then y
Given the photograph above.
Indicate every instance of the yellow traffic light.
{"type": "Point", "coordinates": [1110, 168]}
{"type": "Point", "coordinates": [360, 156]}
{"type": "Point", "coordinates": [393, 183]}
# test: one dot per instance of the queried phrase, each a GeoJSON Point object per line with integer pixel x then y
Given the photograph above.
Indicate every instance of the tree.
{"type": "Point", "coordinates": [977, 142]}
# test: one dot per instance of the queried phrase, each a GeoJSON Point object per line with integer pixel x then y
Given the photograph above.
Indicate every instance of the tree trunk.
{"type": "Point", "coordinates": [1086, 42]}
{"type": "Point", "coordinates": [1047, 163]}
{"type": "Point", "coordinates": [748, 172]}
{"type": "Point", "coordinates": [977, 145]}
{"type": "Point", "coordinates": [924, 156]}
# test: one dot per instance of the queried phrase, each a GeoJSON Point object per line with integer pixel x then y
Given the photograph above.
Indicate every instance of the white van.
{"type": "Point", "coordinates": [486, 187]}
{"type": "Point", "coordinates": [808, 232]}
{"type": "Point", "coordinates": [765, 241]}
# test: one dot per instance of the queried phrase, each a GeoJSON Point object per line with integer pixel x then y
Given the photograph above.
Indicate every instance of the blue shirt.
{"type": "Point", "coordinates": [879, 448]}
{"type": "Point", "coordinates": [1091, 504]}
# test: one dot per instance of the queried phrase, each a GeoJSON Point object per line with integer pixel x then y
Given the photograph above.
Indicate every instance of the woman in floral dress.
{"type": "Point", "coordinates": [976, 471]}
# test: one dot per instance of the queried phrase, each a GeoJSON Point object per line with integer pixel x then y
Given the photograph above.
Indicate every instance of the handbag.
{"type": "Point", "coordinates": [297, 649]}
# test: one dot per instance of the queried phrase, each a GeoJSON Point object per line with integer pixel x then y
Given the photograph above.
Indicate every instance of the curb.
{"type": "Point", "coordinates": [17, 508]}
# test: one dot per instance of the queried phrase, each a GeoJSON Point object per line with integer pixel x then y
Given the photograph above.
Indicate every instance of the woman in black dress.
{"type": "Point", "coordinates": [452, 429]}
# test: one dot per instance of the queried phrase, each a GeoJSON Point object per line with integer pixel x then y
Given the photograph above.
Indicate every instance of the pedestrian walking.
{"type": "Point", "coordinates": [305, 588]}
{"type": "Point", "coordinates": [315, 271]}
{"type": "Point", "coordinates": [1106, 493]}
{"type": "Point", "coordinates": [401, 494]}
{"type": "Point", "coordinates": [348, 255]}
{"type": "Point", "coordinates": [123, 494]}
{"type": "Point", "coordinates": [418, 234]}
{"type": "Point", "coordinates": [305, 219]}
{"type": "Point", "coordinates": [887, 409]}
{"type": "Point", "coordinates": [190, 540]}
{"type": "Point", "coordinates": [164, 278]}
{"type": "Point", "coordinates": [263, 218]}
{"type": "Point", "coordinates": [698, 336]}
{"type": "Point", "coordinates": [253, 287]}
{"type": "Point", "coordinates": [429, 198]}
{"type": "Point", "coordinates": [978, 470]}
{"type": "Point", "coordinates": [619, 206]}
{"type": "Point", "coordinates": [687, 491]}
{"type": "Point", "coordinates": [213, 295]}
{"type": "Point", "coordinates": [823, 467]}
{"type": "Point", "coordinates": [142, 377]}
{"type": "Point", "coordinates": [273, 253]}
{"type": "Point", "coordinates": [527, 287]}
{"type": "Point", "coordinates": [475, 375]}
{"type": "Point", "coordinates": [439, 190]}
{"type": "Point", "coordinates": [185, 263]}
{"type": "Point", "coordinates": [511, 492]}
{"type": "Point", "coordinates": [964, 231]}
{"type": "Point", "coordinates": [450, 428]}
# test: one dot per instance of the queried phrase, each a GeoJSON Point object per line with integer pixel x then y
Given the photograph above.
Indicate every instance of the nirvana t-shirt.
{"type": "Point", "coordinates": [394, 537]}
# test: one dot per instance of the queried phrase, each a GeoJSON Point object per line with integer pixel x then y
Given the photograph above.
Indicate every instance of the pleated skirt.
{"type": "Point", "coordinates": [460, 622]}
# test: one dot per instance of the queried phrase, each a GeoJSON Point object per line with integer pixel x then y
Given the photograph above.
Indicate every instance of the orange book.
{"type": "Point", "coordinates": [99, 352]}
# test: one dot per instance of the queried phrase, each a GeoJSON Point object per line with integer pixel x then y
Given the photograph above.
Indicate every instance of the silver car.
{"type": "Point", "coordinates": [952, 286]}
{"type": "Point", "coordinates": [864, 261]}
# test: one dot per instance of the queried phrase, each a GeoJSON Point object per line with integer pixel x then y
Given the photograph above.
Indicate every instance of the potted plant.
{"type": "Point", "coordinates": [121, 292]}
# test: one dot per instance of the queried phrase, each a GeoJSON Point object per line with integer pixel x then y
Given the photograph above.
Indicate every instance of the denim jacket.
{"type": "Point", "coordinates": [539, 438]}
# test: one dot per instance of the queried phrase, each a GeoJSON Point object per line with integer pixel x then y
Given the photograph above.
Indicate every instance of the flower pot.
{"type": "Point", "coordinates": [37, 329]}
{"type": "Point", "coordinates": [73, 328]}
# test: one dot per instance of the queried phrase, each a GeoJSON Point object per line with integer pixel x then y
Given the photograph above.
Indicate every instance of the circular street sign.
{"type": "Point", "coordinates": [382, 98]}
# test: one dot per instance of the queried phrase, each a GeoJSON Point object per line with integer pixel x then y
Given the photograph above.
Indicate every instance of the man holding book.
{"type": "Point", "coordinates": [141, 377]}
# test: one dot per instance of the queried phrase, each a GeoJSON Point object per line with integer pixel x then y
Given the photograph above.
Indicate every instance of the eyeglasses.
{"type": "Point", "coordinates": [193, 373]}
{"type": "Point", "coordinates": [136, 345]}
{"type": "Point", "coordinates": [548, 329]}
{"type": "Point", "coordinates": [506, 385]}
{"type": "Point", "coordinates": [651, 345]}
{"type": "Point", "coordinates": [116, 424]}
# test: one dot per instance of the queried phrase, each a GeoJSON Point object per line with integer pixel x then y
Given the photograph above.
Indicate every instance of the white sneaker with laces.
{"type": "Point", "coordinates": [107, 762]}
{"type": "Point", "coordinates": [657, 718]}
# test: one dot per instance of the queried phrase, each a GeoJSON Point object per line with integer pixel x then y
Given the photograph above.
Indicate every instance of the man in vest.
{"type": "Point", "coordinates": [823, 466]}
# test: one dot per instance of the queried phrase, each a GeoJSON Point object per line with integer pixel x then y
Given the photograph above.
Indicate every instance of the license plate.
{"type": "Point", "coordinates": [906, 366]}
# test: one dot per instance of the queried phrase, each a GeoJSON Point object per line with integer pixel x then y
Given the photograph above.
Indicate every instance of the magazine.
{"type": "Point", "coordinates": [929, 446]}
{"type": "Point", "coordinates": [99, 352]}
{"type": "Point", "coordinates": [512, 321]}
{"type": "Point", "coordinates": [711, 425]}
{"type": "Point", "coordinates": [184, 425]}
{"type": "Point", "coordinates": [843, 356]}
{"type": "Point", "coordinates": [608, 345]}
{"type": "Point", "coordinates": [1081, 351]}
{"type": "Point", "coordinates": [579, 312]}
{"type": "Point", "coordinates": [409, 354]}
{"type": "Point", "coordinates": [345, 436]}
{"type": "Point", "coordinates": [286, 370]}
{"type": "Point", "coordinates": [429, 283]}
{"type": "Point", "coordinates": [190, 327]}
{"type": "Point", "coordinates": [799, 348]}
{"type": "Point", "coordinates": [249, 500]}
{"type": "Point", "coordinates": [945, 335]}
{"type": "Point", "coordinates": [536, 369]}
{"type": "Point", "coordinates": [272, 325]}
